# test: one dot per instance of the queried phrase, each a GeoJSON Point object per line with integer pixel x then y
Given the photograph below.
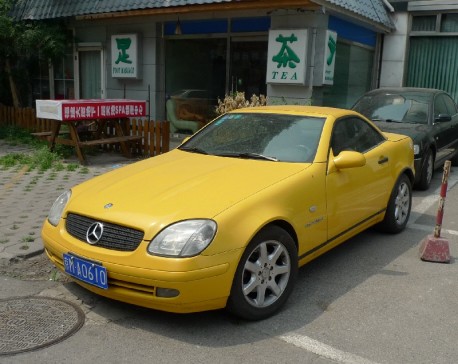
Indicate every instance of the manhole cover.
{"type": "Point", "coordinates": [30, 323]}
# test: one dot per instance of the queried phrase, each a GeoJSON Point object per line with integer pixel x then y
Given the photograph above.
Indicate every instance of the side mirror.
{"type": "Point", "coordinates": [443, 117]}
{"type": "Point", "coordinates": [349, 159]}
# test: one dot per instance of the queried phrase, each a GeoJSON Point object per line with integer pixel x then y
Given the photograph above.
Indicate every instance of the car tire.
{"type": "Point", "coordinates": [427, 172]}
{"type": "Point", "coordinates": [398, 210]}
{"type": "Point", "coordinates": [265, 275]}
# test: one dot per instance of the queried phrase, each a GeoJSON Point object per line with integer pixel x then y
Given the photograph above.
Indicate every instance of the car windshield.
{"type": "Point", "coordinates": [402, 108]}
{"type": "Point", "coordinates": [272, 137]}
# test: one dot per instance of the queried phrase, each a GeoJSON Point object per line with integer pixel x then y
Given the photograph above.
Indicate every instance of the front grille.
{"type": "Point", "coordinates": [114, 237]}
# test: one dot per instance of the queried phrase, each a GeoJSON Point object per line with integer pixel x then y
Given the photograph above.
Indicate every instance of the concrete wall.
{"type": "Point", "coordinates": [394, 54]}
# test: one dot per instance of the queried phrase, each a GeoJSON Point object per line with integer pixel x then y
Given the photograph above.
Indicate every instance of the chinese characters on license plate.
{"type": "Point", "coordinates": [86, 271]}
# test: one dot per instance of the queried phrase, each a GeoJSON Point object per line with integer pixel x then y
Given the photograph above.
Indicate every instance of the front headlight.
{"type": "Point", "coordinates": [183, 239]}
{"type": "Point", "coordinates": [58, 207]}
{"type": "Point", "coordinates": [416, 149]}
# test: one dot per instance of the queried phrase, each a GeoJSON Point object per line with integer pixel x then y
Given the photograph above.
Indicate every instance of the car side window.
{"type": "Point", "coordinates": [450, 105]}
{"type": "Point", "coordinates": [440, 106]}
{"type": "Point", "coordinates": [354, 134]}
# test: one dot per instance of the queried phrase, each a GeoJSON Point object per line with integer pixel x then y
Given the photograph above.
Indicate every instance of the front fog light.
{"type": "Point", "coordinates": [167, 292]}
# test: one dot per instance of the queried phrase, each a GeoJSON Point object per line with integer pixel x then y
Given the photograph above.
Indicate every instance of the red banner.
{"type": "Point", "coordinates": [68, 110]}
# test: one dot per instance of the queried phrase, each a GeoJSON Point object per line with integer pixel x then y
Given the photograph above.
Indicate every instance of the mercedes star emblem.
{"type": "Point", "coordinates": [94, 233]}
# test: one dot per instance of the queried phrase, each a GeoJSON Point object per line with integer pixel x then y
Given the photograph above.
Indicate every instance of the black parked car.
{"type": "Point", "coordinates": [428, 116]}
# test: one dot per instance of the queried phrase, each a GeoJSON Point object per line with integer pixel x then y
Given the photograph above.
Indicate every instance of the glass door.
{"type": "Point", "coordinates": [195, 77]}
{"type": "Point", "coordinates": [90, 74]}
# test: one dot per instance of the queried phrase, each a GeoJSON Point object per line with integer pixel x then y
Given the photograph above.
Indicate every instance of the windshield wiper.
{"type": "Point", "coordinates": [248, 155]}
{"type": "Point", "coordinates": [258, 156]}
{"type": "Point", "coordinates": [193, 150]}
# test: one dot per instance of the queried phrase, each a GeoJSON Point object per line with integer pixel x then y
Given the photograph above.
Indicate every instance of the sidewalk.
{"type": "Point", "coordinates": [26, 197]}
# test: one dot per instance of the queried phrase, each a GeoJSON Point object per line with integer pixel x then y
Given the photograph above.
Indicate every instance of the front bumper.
{"type": "Point", "coordinates": [203, 282]}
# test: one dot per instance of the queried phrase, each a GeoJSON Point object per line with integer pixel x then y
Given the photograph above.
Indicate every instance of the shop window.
{"type": "Point", "coordinates": [425, 23]}
{"type": "Point", "coordinates": [40, 80]}
{"type": "Point", "coordinates": [437, 23]}
{"type": "Point", "coordinates": [195, 76]}
{"type": "Point", "coordinates": [352, 75]}
{"type": "Point", "coordinates": [248, 67]}
{"type": "Point", "coordinates": [61, 71]}
{"type": "Point", "coordinates": [449, 23]}
{"type": "Point", "coordinates": [64, 79]}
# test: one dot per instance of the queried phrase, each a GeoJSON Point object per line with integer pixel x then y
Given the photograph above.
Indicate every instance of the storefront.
{"type": "Point", "coordinates": [207, 59]}
{"type": "Point", "coordinates": [197, 58]}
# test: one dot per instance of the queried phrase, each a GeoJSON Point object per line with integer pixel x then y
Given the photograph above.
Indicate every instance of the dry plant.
{"type": "Point", "coordinates": [238, 101]}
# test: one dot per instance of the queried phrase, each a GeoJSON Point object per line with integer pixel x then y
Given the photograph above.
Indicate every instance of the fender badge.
{"type": "Point", "coordinates": [108, 206]}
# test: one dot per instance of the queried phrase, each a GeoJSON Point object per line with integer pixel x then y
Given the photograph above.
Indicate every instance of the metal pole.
{"type": "Point", "coordinates": [443, 193]}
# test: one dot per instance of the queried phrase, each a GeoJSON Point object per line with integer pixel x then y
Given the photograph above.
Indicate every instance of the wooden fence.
{"type": "Point", "coordinates": [155, 134]}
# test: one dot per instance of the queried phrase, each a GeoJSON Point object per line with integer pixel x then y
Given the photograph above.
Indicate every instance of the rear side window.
{"type": "Point", "coordinates": [439, 106]}
{"type": "Point", "coordinates": [450, 105]}
{"type": "Point", "coordinates": [354, 134]}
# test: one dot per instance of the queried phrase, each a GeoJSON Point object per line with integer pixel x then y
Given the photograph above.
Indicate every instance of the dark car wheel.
{"type": "Point", "coordinates": [265, 275]}
{"type": "Point", "coordinates": [427, 171]}
{"type": "Point", "coordinates": [399, 206]}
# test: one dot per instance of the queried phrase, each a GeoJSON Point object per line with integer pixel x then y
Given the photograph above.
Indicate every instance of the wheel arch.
{"type": "Point", "coordinates": [285, 226]}
{"type": "Point", "coordinates": [410, 174]}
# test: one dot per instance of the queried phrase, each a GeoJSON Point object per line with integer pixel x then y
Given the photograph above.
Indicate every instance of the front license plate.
{"type": "Point", "coordinates": [86, 271]}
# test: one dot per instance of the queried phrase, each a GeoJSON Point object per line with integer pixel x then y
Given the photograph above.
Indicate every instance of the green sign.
{"type": "Point", "coordinates": [287, 56]}
{"type": "Point", "coordinates": [124, 56]}
{"type": "Point", "coordinates": [329, 57]}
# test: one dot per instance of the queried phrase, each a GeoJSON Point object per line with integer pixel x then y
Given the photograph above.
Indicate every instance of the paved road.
{"type": "Point", "coordinates": [371, 300]}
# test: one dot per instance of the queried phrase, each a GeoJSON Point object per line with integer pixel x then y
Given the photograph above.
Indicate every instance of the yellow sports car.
{"type": "Point", "coordinates": [226, 219]}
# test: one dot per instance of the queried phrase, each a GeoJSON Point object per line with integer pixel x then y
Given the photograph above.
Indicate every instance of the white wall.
{"type": "Point", "coordinates": [394, 53]}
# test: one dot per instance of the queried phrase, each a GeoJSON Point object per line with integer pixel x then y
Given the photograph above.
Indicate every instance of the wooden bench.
{"type": "Point", "coordinates": [45, 135]}
{"type": "Point", "coordinates": [72, 136]}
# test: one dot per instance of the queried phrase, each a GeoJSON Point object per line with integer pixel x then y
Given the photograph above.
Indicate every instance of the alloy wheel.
{"type": "Point", "coordinates": [266, 274]}
{"type": "Point", "coordinates": [402, 203]}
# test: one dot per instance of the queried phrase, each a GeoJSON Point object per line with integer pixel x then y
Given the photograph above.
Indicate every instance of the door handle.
{"type": "Point", "coordinates": [383, 160]}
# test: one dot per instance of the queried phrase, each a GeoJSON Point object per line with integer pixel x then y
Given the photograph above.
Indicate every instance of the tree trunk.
{"type": "Point", "coordinates": [14, 94]}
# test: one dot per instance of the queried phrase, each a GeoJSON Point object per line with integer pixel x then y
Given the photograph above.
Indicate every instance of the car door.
{"type": "Point", "coordinates": [354, 195]}
{"type": "Point", "coordinates": [445, 134]}
{"type": "Point", "coordinates": [453, 125]}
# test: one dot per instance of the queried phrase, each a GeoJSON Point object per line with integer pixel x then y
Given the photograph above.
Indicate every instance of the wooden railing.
{"type": "Point", "coordinates": [155, 134]}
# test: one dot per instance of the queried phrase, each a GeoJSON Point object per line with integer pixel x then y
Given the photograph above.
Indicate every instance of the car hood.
{"type": "Point", "coordinates": [415, 131]}
{"type": "Point", "coordinates": [175, 186]}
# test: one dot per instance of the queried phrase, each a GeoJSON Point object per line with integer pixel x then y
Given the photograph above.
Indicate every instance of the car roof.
{"type": "Point", "coordinates": [405, 90]}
